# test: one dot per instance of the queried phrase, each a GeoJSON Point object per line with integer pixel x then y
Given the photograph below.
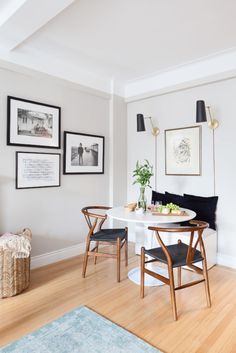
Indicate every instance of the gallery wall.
{"type": "Point", "coordinates": [53, 214]}
{"type": "Point", "coordinates": [176, 110]}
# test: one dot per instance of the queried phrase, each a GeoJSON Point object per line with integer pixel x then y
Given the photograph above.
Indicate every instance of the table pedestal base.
{"type": "Point", "coordinates": [149, 281]}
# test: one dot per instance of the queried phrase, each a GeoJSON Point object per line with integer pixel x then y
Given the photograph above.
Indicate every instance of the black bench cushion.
{"type": "Point", "coordinates": [205, 208]}
{"type": "Point", "coordinates": [158, 196]}
{"type": "Point", "coordinates": [178, 252]}
{"type": "Point", "coordinates": [176, 199]}
{"type": "Point", "coordinates": [109, 234]}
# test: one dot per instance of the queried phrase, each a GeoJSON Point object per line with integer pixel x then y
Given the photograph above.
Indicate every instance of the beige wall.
{"type": "Point", "coordinates": [53, 214]}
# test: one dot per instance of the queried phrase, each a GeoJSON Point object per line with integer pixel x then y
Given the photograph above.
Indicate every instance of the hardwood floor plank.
{"type": "Point", "coordinates": [59, 288]}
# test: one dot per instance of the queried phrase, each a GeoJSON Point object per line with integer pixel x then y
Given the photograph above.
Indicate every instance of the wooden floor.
{"type": "Point", "coordinates": [59, 288]}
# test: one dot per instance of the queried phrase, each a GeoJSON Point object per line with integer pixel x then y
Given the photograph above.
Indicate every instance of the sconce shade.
{"type": "Point", "coordinates": [201, 112]}
{"type": "Point", "coordinates": [140, 123]}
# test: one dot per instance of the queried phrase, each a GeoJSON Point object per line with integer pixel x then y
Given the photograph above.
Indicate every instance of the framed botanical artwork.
{"type": "Point", "coordinates": [183, 151]}
{"type": "Point", "coordinates": [32, 123]}
{"type": "Point", "coordinates": [83, 153]}
{"type": "Point", "coordinates": [37, 170]}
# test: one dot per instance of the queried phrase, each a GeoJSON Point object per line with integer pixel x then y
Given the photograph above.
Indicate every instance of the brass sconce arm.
{"type": "Point", "coordinates": [155, 130]}
{"type": "Point", "coordinates": [212, 123]}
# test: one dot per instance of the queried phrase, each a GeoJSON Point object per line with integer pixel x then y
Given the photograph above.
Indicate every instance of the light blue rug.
{"type": "Point", "coordinates": [80, 331]}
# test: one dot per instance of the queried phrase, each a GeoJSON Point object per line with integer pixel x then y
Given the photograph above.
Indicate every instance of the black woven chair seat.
{"type": "Point", "coordinates": [109, 234]}
{"type": "Point", "coordinates": [178, 252]}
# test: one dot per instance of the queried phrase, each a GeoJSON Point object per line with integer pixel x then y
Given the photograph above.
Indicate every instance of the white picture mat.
{"type": "Point", "coordinates": [33, 140]}
{"type": "Point", "coordinates": [38, 170]}
{"type": "Point", "coordinates": [75, 140]}
{"type": "Point", "coordinates": [173, 137]}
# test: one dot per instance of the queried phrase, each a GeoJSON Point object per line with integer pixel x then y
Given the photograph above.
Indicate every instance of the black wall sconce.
{"type": "Point", "coordinates": [155, 133]}
{"type": "Point", "coordinates": [201, 115]}
{"type": "Point", "coordinates": [141, 125]}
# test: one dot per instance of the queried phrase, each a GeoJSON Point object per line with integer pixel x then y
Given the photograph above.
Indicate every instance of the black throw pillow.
{"type": "Point", "coordinates": [205, 208]}
{"type": "Point", "coordinates": [158, 196]}
{"type": "Point", "coordinates": [176, 199]}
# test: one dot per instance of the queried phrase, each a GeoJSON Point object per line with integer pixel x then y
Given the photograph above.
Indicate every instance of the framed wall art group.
{"type": "Point", "coordinates": [35, 124]}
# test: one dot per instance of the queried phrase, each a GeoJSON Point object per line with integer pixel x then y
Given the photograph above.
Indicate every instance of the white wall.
{"type": "Point", "coordinates": [119, 151]}
{"type": "Point", "coordinates": [178, 109]}
{"type": "Point", "coordinates": [53, 214]}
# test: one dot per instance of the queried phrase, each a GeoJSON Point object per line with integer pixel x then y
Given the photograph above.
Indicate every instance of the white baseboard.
{"type": "Point", "coordinates": [226, 260]}
{"type": "Point", "coordinates": [78, 249]}
{"type": "Point", "coordinates": [58, 255]}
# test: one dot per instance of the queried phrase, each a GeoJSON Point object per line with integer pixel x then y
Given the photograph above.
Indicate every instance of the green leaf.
{"type": "Point", "coordinates": [143, 173]}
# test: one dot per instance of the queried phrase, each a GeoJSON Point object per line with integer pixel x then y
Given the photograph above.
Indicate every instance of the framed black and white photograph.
{"type": "Point", "coordinates": [183, 151]}
{"type": "Point", "coordinates": [83, 153]}
{"type": "Point", "coordinates": [32, 123]}
{"type": "Point", "coordinates": [37, 170]}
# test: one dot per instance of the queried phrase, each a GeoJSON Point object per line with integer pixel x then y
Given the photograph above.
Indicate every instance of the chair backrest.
{"type": "Point", "coordinates": [193, 227]}
{"type": "Point", "coordinates": [95, 217]}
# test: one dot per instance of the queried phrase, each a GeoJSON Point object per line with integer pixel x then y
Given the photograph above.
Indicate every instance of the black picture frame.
{"type": "Point", "coordinates": [94, 153]}
{"type": "Point", "coordinates": [18, 161]}
{"type": "Point", "coordinates": [36, 134]}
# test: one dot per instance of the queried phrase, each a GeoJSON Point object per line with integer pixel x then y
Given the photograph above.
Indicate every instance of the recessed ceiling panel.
{"type": "Point", "coordinates": [134, 38]}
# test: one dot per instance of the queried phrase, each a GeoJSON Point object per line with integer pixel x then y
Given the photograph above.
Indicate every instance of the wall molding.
{"type": "Point", "coordinates": [31, 72]}
{"type": "Point", "coordinates": [202, 71]}
{"type": "Point", "coordinates": [230, 75]}
{"type": "Point", "coordinates": [226, 260]}
{"type": "Point", "coordinates": [57, 255]}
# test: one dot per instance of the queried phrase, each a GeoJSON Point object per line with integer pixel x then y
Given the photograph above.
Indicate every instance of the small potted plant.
{"type": "Point", "coordinates": [142, 175]}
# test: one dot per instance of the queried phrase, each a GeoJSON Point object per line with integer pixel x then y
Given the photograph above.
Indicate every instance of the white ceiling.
{"type": "Point", "coordinates": [3, 5]}
{"type": "Point", "coordinates": [123, 40]}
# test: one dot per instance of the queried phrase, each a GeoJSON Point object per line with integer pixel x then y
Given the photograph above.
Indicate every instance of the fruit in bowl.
{"type": "Point", "coordinates": [165, 210]}
{"type": "Point", "coordinates": [174, 209]}
{"type": "Point", "coordinates": [169, 208]}
{"type": "Point", "coordinates": [172, 206]}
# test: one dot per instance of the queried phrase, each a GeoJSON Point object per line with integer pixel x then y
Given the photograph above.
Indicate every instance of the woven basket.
{"type": "Point", "coordinates": [14, 272]}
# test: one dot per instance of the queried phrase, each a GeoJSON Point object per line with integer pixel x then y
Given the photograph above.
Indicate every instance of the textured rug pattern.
{"type": "Point", "coordinates": [80, 331]}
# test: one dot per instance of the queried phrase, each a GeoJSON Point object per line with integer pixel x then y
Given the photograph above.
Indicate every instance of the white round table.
{"type": "Point", "coordinates": [142, 222]}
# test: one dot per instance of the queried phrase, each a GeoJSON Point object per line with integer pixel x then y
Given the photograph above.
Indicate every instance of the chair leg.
{"type": "Point", "coordinates": [118, 259]}
{"type": "Point", "coordinates": [86, 258]}
{"type": "Point", "coordinates": [142, 273]}
{"type": "Point", "coordinates": [95, 251]}
{"type": "Point", "coordinates": [126, 252]}
{"type": "Point", "coordinates": [179, 276]}
{"type": "Point", "coordinates": [179, 269]}
{"type": "Point", "coordinates": [172, 293]}
{"type": "Point", "coordinates": [206, 283]}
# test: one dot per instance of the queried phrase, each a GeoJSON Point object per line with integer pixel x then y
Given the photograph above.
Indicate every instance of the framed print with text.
{"type": "Point", "coordinates": [37, 170]}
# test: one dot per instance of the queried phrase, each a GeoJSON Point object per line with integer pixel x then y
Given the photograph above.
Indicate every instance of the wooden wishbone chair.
{"type": "Point", "coordinates": [176, 256]}
{"type": "Point", "coordinates": [116, 236]}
